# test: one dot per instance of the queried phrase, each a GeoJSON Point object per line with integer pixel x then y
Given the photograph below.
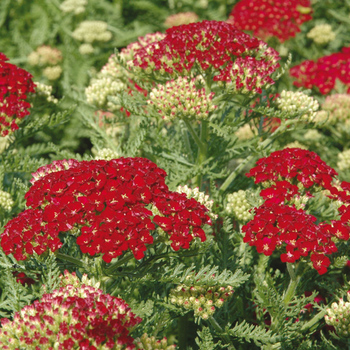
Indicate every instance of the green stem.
{"type": "Point", "coordinates": [187, 143]}
{"type": "Point", "coordinates": [233, 175]}
{"type": "Point", "coordinates": [203, 151]}
{"type": "Point", "coordinates": [70, 259]}
{"type": "Point", "coordinates": [193, 134]}
{"type": "Point", "coordinates": [117, 264]}
{"type": "Point", "coordinates": [218, 329]}
{"type": "Point", "coordinates": [295, 276]}
{"type": "Point", "coordinates": [313, 321]}
{"type": "Point", "coordinates": [183, 326]}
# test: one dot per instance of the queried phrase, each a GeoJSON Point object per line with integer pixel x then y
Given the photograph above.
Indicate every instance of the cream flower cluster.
{"type": "Point", "coordinates": [45, 55]}
{"type": "Point", "coordinates": [336, 108]}
{"type": "Point", "coordinates": [151, 343]}
{"type": "Point", "coordinates": [107, 83]}
{"type": "Point", "coordinates": [180, 18]}
{"type": "Point", "coordinates": [321, 34]}
{"type": "Point", "coordinates": [344, 160]}
{"type": "Point", "coordinates": [238, 206]}
{"type": "Point", "coordinates": [201, 299]}
{"type": "Point", "coordinates": [45, 91]}
{"type": "Point", "coordinates": [295, 102]}
{"type": "Point", "coordinates": [75, 6]}
{"type": "Point", "coordinates": [106, 154]}
{"type": "Point", "coordinates": [90, 31]}
{"type": "Point", "coordinates": [6, 201]}
{"type": "Point", "coordinates": [71, 279]}
{"type": "Point", "coordinates": [200, 197]}
{"type": "Point", "coordinates": [338, 316]}
{"type": "Point", "coordinates": [48, 57]}
{"type": "Point", "coordinates": [180, 99]}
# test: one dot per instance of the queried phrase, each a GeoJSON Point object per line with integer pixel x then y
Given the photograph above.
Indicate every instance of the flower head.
{"type": "Point", "coordinates": [15, 84]}
{"type": "Point", "coordinates": [324, 72]}
{"type": "Point", "coordinates": [238, 206]}
{"type": "Point", "coordinates": [107, 203]}
{"type": "Point", "coordinates": [90, 31]}
{"type": "Point", "coordinates": [338, 316]}
{"type": "Point", "coordinates": [296, 102]}
{"type": "Point", "coordinates": [180, 99]}
{"type": "Point", "coordinates": [321, 34]}
{"type": "Point", "coordinates": [71, 317]}
{"type": "Point", "coordinates": [214, 49]}
{"type": "Point", "coordinates": [271, 18]}
{"type": "Point", "coordinates": [335, 109]}
{"type": "Point", "coordinates": [45, 55]}
{"type": "Point", "coordinates": [75, 6]}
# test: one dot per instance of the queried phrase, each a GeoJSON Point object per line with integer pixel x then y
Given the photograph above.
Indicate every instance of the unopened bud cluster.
{"type": "Point", "coordinates": [338, 316]}
{"type": "Point", "coordinates": [45, 91]}
{"type": "Point", "coordinates": [75, 6]}
{"type": "Point", "coordinates": [238, 206]}
{"type": "Point", "coordinates": [6, 201]}
{"type": "Point", "coordinates": [90, 31]}
{"type": "Point", "coordinates": [48, 57]}
{"type": "Point", "coordinates": [201, 299]}
{"type": "Point", "coordinates": [151, 343]}
{"type": "Point", "coordinates": [313, 135]}
{"type": "Point", "coordinates": [321, 34]}
{"type": "Point", "coordinates": [180, 18]}
{"type": "Point", "coordinates": [344, 160]}
{"type": "Point", "coordinates": [295, 144]}
{"type": "Point", "coordinates": [106, 154]}
{"type": "Point", "coordinates": [200, 197]}
{"type": "Point", "coordinates": [72, 279]}
{"type": "Point", "coordinates": [181, 99]}
{"type": "Point", "coordinates": [298, 102]}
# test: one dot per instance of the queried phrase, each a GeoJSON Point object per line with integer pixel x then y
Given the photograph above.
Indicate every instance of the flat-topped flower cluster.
{"type": "Point", "coordinates": [291, 177]}
{"type": "Point", "coordinates": [107, 203]}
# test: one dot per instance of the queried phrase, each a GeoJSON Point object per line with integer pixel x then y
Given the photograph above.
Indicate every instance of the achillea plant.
{"type": "Point", "coordinates": [338, 316]}
{"type": "Point", "coordinates": [107, 202]}
{"type": "Point", "coordinates": [321, 34]}
{"type": "Point", "coordinates": [15, 84]}
{"type": "Point", "coordinates": [269, 18]}
{"type": "Point", "coordinates": [216, 50]}
{"type": "Point", "coordinates": [71, 317]}
{"type": "Point", "coordinates": [323, 73]}
{"type": "Point", "coordinates": [292, 177]}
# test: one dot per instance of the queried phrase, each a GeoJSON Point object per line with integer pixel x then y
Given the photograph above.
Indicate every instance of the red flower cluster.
{"type": "Point", "coordinates": [271, 18]}
{"type": "Point", "coordinates": [71, 318]}
{"type": "Point", "coordinates": [324, 72]}
{"type": "Point", "coordinates": [15, 83]}
{"type": "Point", "coordinates": [276, 225]}
{"type": "Point", "coordinates": [217, 49]}
{"type": "Point", "coordinates": [109, 202]}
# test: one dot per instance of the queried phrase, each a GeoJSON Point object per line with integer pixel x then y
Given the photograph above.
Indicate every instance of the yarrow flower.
{"type": "Point", "coordinates": [71, 317]}
{"type": "Point", "coordinates": [271, 18]}
{"type": "Point", "coordinates": [200, 197]}
{"type": "Point", "coordinates": [297, 102]}
{"type": "Point", "coordinates": [338, 316]}
{"type": "Point", "coordinates": [107, 154]}
{"type": "Point", "coordinates": [107, 201]}
{"type": "Point", "coordinates": [15, 84]}
{"type": "Point", "coordinates": [90, 31]}
{"type": "Point", "coordinates": [335, 110]}
{"type": "Point", "coordinates": [290, 177]}
{"type": "Point", "coordinates": [321, 34]}
{"type": "Point", "coordinates": [46, 92]}
{"type": "Point", "coordinates": [75, 6]}
{"type": "Point", "coordinates": [203, 300]}
{"type": "Point", "coordinates": [180, 18]}
{"type": "Point", "coordinates": [180, 99]}
{"type": "Point", "coordinates": [214, 49]}
{"type": "Point", "coordinates": [324, 72]}
{"type": "Point", "coordinates": [45, 55]}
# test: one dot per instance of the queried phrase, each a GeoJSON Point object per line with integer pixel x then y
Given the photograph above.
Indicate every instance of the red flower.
{"type": "Point", "coordinates": [323, 73]}
{"type": "Point", "coordinates": [216, 48]}
{"type": "Point", "coordinates": [15, 83]}
{"type": "Point", "coordinates": [320, 263]}
{"type": "Point", "coordinates": [108, 202]}
{"type": "Point", "coordinates": [271, 18]}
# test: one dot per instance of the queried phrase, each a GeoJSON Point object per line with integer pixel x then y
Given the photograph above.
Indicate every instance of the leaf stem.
{"type": "Point", "coordinates": [218, 329]}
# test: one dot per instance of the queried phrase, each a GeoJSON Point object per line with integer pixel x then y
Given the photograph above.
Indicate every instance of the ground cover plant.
{"type": "Point", "coordinates": [174, 184]}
